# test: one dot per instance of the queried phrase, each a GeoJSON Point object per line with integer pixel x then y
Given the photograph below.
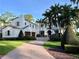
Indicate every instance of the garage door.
{"type": "Point", "coordinates": [27, 33]}
{"type": "Point", "coordinates": [33, 34]}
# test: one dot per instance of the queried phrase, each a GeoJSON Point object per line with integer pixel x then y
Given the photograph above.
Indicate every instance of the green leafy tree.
{"type": "Point", "coordinates": [28, 17]}
{"type": "Point", "coordinates": [7, 16]}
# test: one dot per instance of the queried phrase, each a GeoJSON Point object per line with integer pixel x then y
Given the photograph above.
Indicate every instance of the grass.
{"type": "Point", "coordinates": [73, 50]}
{"type": "Point", "coordinates": [6, 46]}
{"type": "Point", "coordinates": [68, 48]}
{"type": "Point", "coordinates": [52, 44]}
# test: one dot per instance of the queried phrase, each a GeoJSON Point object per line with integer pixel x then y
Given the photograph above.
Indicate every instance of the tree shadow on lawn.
{"type": "Point", "coordinates": [72, 51]}
{"type": "Point", "coordinates": [55, 48]}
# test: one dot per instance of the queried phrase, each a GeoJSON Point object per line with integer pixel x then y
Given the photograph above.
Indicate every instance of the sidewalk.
{"type": "Point", "coordinates": [36, 42]}
{"type": "Point", "coordinates": [28, 51]}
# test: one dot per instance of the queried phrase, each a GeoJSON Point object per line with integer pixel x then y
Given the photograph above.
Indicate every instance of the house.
{"type": "Point", "coordinates": [45, 27]}
{"type": "Point", "coordinates": [20, 24]}
{"type": "Point", "coordinates": [17, 25]}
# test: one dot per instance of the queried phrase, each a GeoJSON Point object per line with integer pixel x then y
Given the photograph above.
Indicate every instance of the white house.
{"type": "Point", "coordinates": [20, 24]}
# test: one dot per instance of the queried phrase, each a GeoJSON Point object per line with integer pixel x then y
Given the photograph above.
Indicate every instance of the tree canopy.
{"type": "Point", "coordinates": [28, 17]}
{"type": "Point", "coordinates": [7, 16]}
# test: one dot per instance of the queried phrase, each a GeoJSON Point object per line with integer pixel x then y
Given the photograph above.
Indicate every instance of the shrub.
{"type": "Point", "coordinates": [9, 39]}
{"type": "Point", "coordinates": [69, 36]}
{"type": "Point", "coordinates": [21, 34]}
{"type": "Point", "coordinates": [22, 38]}
{"type": "Point", "coordinates": [72, 49]}
{"type": "Point", "coordinates": [56, 37]}
{"type": "Point", "coordinates": [77, 33]}
{"type": "Point", "coordinates": [42, 33]}
{"type": "Point", "coordinates": [38, 35]}
{"type": "Point", "coordinates": [29, 38]}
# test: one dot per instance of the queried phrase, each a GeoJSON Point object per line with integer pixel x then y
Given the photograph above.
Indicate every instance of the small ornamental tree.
{"type": "Point", "coordinates": [21, 34]}
{"type": "Point", "coordinates": [70, 36]}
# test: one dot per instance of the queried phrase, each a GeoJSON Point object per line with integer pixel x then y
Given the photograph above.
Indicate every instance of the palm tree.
{"type": "Point", "coordinates": [55, 11]}
{"type": "Point", "coordinates": [62, 16]}
{"type": "Point", "coordinates": [54, 16]}
{"type": "Point", "coordinates": [68, 16]}
{"type": "Point", "coordinates": [75, 2]}
{"type": "Point", "coordinates": [48, 15]}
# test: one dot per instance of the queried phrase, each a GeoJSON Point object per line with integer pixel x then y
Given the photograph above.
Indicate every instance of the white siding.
{"type": "Point", "coordinates": [13, 32]}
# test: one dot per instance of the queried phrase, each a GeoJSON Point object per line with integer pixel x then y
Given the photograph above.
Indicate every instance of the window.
{"type": "Point", "coordinates": [8, 32]}
{"type": "Point", "coordinates": [25, 23]}
{"type": "Point", "coordinates": [30, 25]}
{"type": "Point", "coordinates": [33, 26]}
{"type": "Point", "coordinates": [17, 23]}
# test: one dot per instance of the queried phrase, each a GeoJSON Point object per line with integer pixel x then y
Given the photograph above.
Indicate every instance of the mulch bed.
{"type": "Point", "coordinates": [59, 54]}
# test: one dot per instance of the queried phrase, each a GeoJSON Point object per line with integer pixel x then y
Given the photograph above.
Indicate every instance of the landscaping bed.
{"type": "Point", "coordinates": [53, 47]}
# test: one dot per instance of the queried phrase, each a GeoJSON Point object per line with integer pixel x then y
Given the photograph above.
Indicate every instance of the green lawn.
{"type": "Point", "coordinates": [73, 50]}
{"type": "Point", "coordinates": [55, 44]}
{"type": "Point", "coordinates": [52, 44]}
{"type": "Point", "coordinates": [6, 46]}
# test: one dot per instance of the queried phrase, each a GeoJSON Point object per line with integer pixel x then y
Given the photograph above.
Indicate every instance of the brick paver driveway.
{"type": "Point", "coordinates": [28, 51]}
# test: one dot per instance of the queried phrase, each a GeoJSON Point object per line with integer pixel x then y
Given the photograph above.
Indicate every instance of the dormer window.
{"type": "Point", "coordinates": [33, 26]}
{"type": "Point", "coordinates": [17, 23]}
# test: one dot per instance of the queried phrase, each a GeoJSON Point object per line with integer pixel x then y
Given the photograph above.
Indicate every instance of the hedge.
{"type": "Point", "coordinates": [23, 38]}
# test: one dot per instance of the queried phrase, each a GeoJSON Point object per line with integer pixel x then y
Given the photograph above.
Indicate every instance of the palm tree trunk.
{"type": "Point", "coordinates": [77, 5]}
{"type": "Point", "coordinates": [49, 23]}
{"type": "Point", "coordinates": [62, 45]}
{"type": "Point", "coordinates": [49, 28]}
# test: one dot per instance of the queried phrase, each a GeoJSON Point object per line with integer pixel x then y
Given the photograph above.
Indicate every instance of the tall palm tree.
{"type": "Point", "coordinates": [75, 2]}
{"type": "Point", "coordinates": [56, 14]}
{"type": "Point", "coordinates": [55, 11]}
{"type": "Point", "coordinates": [68, 16]}
{"type": "Point", "coordinates": [54, 17]}
{"type": "Point", "coordinates": [48, 15]}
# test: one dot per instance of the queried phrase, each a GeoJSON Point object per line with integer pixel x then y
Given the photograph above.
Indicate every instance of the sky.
{"type": "Point", "coordinates": [34, 7]}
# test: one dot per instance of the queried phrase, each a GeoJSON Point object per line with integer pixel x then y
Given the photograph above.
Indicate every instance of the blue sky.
{"type": "Point", "coordinates": [34, 7]}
